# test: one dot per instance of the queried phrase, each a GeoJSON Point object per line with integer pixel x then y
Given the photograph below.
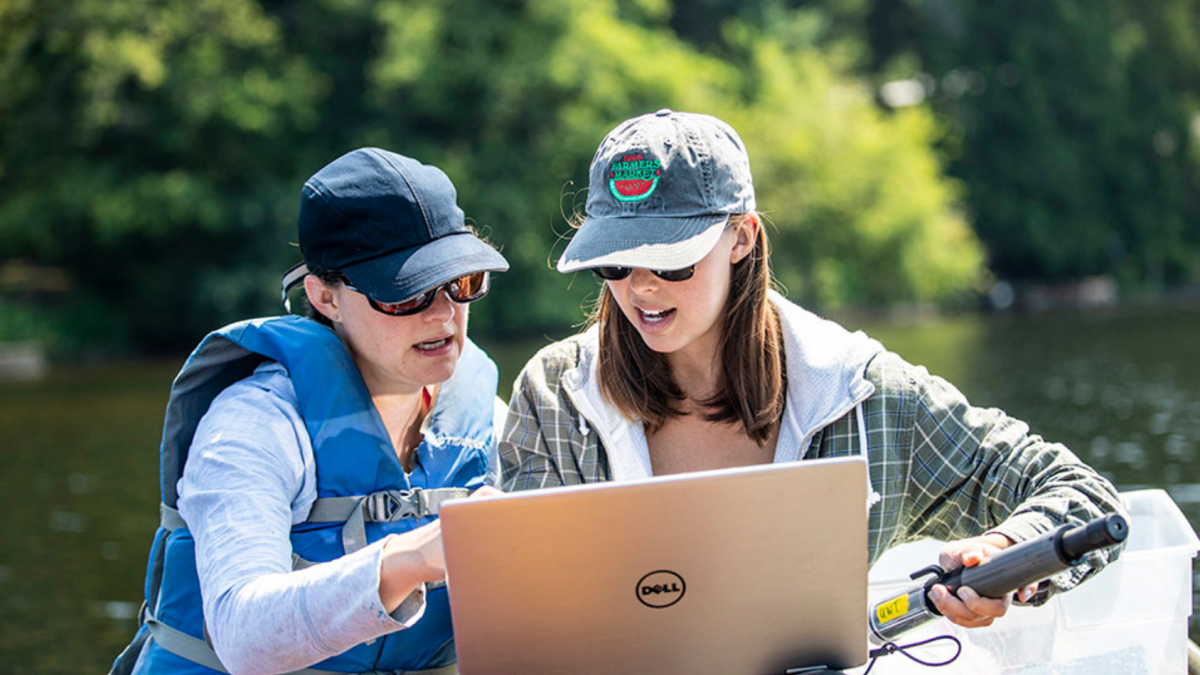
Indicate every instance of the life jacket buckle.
{"type": "Point", "coordinates": [394, 505]}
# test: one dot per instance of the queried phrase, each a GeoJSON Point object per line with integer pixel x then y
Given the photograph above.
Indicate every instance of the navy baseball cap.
{"type": "Point", "coordinates": [389, 224]}
{"type": "Point", "coordinates": [661, 189]}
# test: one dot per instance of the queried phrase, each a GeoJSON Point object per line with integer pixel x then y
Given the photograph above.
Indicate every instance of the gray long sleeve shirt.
{"type": "Point", "coordinates": [250, 476]}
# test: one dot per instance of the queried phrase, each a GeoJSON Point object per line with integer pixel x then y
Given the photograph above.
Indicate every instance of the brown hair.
{"type": "Point", "coordinates": [637, 379]}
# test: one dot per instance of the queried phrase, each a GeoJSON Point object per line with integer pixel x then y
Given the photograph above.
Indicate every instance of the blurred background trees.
{"type": "Point", "coordinates": [1073, 125]}
{"type": "Point", "coordinates": [905, 151]}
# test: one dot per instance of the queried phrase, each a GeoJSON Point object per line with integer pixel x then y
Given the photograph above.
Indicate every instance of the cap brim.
{"type": "Point", "coordinates": [402, 274]}
{"type": "Point", "coordinates": [649, 243]}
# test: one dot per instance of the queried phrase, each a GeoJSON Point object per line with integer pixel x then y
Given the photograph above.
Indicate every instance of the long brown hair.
{"type": "Point", "coordinates": [637, 379]}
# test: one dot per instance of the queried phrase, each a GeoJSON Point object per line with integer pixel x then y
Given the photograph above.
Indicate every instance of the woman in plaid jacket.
{"type": "Point", "coordinates": [692, 362]}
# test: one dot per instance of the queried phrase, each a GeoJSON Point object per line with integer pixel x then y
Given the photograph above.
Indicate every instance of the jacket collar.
{"type": "Point", "coordinates": [826, 368]}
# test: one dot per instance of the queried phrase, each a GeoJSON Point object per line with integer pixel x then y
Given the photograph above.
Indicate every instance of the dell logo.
{"type": "Point", "coordinates": [660, 589]}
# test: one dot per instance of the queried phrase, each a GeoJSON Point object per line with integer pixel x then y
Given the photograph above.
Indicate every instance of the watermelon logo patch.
{"type": "Point", "coordinates": [634, 177]}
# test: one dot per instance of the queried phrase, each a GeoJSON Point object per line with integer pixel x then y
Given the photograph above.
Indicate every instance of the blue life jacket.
{"type": "Point", "coordinates": [363, 493]}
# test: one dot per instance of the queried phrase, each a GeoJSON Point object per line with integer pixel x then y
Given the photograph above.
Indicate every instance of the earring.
{"type": "Point", "coordinates": [336, 317]}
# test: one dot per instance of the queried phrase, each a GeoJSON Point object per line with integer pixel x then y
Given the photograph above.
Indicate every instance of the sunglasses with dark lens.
{"type": "Point", "coordinates": [464, 289]}
{"type": "Point", "coordinates": [618, 273]}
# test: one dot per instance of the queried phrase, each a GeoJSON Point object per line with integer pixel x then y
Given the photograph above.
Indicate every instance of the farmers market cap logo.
{"type": "Point", "coordinates": [634, 177]}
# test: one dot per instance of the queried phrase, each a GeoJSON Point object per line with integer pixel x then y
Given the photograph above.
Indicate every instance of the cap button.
{"type": "Point", "coordinates": [663, 112]}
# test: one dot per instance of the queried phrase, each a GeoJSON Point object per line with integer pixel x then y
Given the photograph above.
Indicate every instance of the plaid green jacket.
{"type": "Point", "coordinates": [945, 469]}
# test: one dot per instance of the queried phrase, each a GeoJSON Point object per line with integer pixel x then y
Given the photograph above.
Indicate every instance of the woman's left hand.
{"type": "Point", "coordinates": [969, 608]}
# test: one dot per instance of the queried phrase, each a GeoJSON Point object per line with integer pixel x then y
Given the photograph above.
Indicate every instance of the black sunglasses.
{"type": "Point", "coordinates": [618, 273]}
{"type": "Point", "coordinates": [464, 289]}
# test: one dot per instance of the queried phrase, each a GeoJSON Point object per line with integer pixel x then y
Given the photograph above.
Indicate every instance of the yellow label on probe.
{"type": "Point", "coordinates": [892, 609]}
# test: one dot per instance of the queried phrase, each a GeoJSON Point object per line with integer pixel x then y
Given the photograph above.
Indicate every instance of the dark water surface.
{"type": "Point", "coordinates": [79, 489]}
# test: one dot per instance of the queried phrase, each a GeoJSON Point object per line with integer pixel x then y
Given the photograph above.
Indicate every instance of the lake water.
{"type": "Point", "coordinates": [79, 489]}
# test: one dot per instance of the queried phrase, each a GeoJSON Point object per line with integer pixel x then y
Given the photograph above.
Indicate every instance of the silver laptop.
{"type": "Point", "coordinates": [751, 571]}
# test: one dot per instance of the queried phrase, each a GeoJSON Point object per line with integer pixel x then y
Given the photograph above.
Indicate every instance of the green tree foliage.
{"type": "Point", "coordinates": [863, 213]}
{"type": "Point", "coordinates": [1072, 123]}
{"type": "Point", "coordinates": [865, 217]}
{"type": "Point", "coordinates": [142, 145]}
{"type": "Point", "coordinates": [154, 149]}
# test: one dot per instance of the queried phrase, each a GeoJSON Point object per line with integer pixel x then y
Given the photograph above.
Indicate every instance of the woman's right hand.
{"type": "Point", "coordinates": [415, 557]}
{"type": "Point", "coordinates": [410, 560]}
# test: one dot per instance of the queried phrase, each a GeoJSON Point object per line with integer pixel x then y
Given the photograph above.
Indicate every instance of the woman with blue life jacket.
{"type": "Point", "coordinates": [693, 362]}
{"type": "Point", "coordinates": [304, 459]}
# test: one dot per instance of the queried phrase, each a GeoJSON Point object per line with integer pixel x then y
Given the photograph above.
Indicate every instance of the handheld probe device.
{"type": "Point", "coordinates": [1003, 573]}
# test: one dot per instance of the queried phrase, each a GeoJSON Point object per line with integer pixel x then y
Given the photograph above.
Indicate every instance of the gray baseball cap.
{"type": "Point", "coordinates": [661, 188]}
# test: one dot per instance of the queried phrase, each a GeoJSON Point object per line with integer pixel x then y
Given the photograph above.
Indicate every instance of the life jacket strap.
{"type": "Point", "coordinates": [198, 651]}
{"type": "Point", "coordinates": [387, 506]}
{"type": "Point", "coordinates": [181, 644]}
{"type": "Point", "coordinates": [169, 518]}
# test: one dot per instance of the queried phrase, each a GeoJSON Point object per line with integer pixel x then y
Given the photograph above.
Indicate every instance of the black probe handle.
{"type": "Point", "coordinates": [1031, 561]}
{"type": "Point", "coordinates": [1097, 534]}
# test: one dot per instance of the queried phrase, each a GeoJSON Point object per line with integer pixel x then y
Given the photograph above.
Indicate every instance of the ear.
{"type": "Point", "coordinates": [321, 296]}
{"type": "Point", "coordinates": [746, 236]}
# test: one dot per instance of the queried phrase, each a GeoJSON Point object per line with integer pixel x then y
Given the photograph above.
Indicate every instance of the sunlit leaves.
{"type": "Point", "coordinates": [153, 149]}
{"type": "Point", "coordinates": [862, 212]}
